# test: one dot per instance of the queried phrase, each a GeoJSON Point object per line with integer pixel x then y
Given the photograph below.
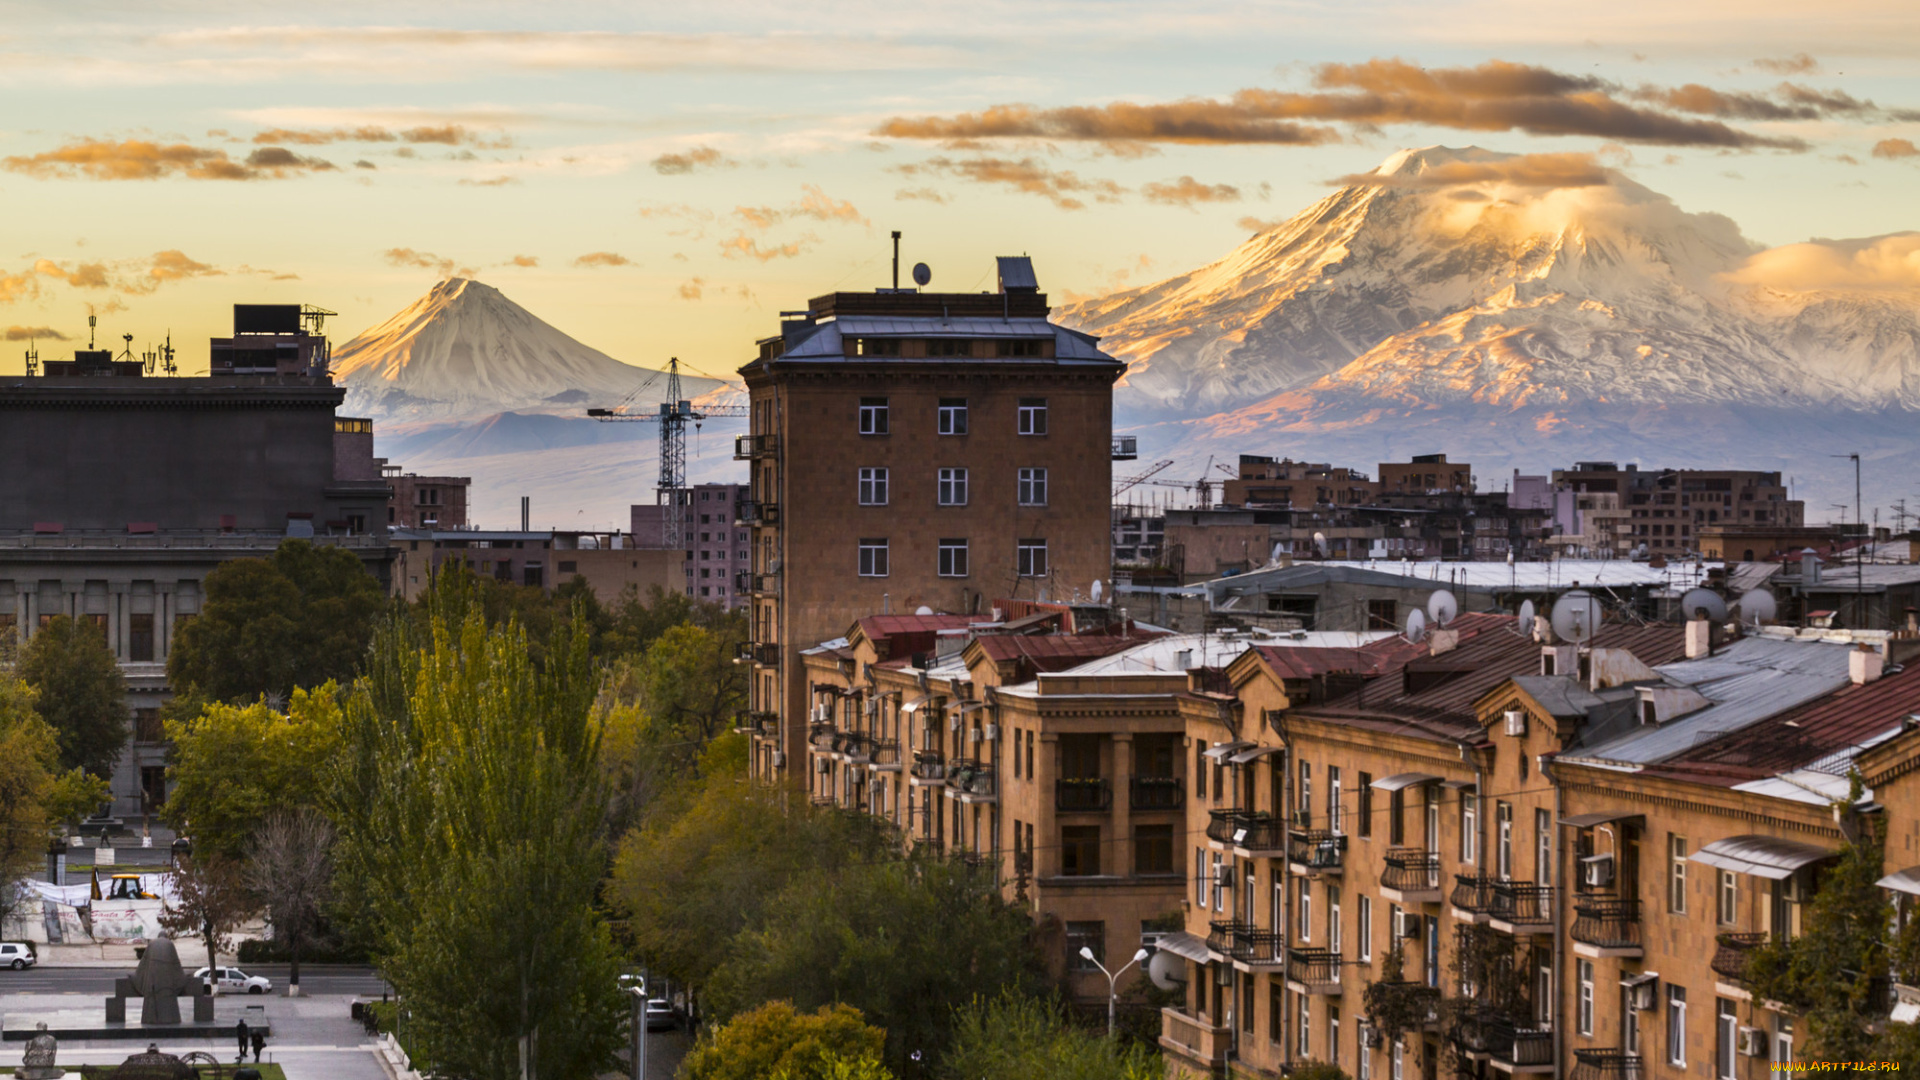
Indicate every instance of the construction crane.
{"type": "Point", "coordinates": [672, 415]}
{"type": "Point", "coordinates": [1122, 485]}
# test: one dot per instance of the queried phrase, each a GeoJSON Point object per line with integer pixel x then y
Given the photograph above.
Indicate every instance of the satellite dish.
{"type": "Point", "coordinates": [1442, 606]}
{"type": "Point", "coordinates": [1168, 972]}
{"type": "Point", "coordinates": [923, 610]}
{"type": "Point", "coordinates": [1320, 543]}
{"type": "Point", "coordinates": [1416, 625]}
{"type": "Point", "coordinates": [1525, 621]}
{"type": "Point", "coordinates": [1703, 604]}
{"type": "Point", "coordinates": [1576, 617]}
{"type": "Point", "coordinates": [921, 275]}
{"type": "Point", "coordinates": [1276, 554]}
{"type": "Point", "coordinates": [1096, 590]}
{"type": "Point", "coordinates": [1756, 607]}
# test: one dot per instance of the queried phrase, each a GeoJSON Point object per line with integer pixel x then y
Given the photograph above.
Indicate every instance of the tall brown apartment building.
{"type": "Point", "coordinates": [1668, 509]}
{"type": "Point", "coordinates": [913, 449]}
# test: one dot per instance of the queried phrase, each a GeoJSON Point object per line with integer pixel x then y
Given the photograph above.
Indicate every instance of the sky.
{"type": "Point", "coordinates": [661, 180]}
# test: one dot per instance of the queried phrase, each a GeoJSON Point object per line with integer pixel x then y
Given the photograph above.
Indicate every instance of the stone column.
{"type": "Point", "coordinates": [1120, 850]}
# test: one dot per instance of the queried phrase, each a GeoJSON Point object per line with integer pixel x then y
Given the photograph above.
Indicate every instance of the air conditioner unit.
{"type": "Point", "coordinates": [1409, 924]}
{"type": "Point", "coordinates": [992, 730]}
{"type": "Point", "coordinates": [1596, 871]}
{"type": "Point", "coordinates": [873, 707]}
{"type": "Point", "coordinates": [1223, 875]}
{"type": "Point", "coordinates": [975, 735]}
{"type": "Point", "coordinates": [826, 766]}
{"type": "Point", "coordinates": [779, 759]}
{"type": "Point", "coordinates": [1641, 995]}
{"type": "Point", "coordinates": [1302, 819]}
{"type": "Point", "coordinates": [1372, 1037]}
{"type": "Point", "coordinates": [1516, 722]}
{"type": "Point", "coordinates": [820, 714]}
{"type": "Point", "coordinates": [1753, 1042]}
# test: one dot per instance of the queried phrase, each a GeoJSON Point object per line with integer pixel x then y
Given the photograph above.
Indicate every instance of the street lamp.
{"type": "Point", "coordinates": [639, 993]}
{"type": "Point", "coordinates": [1113, 977]}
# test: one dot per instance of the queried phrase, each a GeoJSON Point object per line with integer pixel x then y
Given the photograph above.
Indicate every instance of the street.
{"type": "Point", "coordinates": [323, 980]}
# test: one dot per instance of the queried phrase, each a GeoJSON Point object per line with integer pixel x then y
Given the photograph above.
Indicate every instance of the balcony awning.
{"type": "Point", "coordinates": [1458, 785]}
{"type": "Point", "coordinates": [1761, 856]}
{"type": "Point", "coordinates": [1906, 881]}
{"type": "Point", "coordinates": [915, 705]}
{"type": "Point", "coordinates": [1245, 756]}
{"type": "Point", "coordinates": [1638, 979]}
{"type": "Point", "coordinates": [1180, 943]}
{"type": "Point", "coordinates": [1225, 748]}
{"type": "Point", "coordinates": [971, 706]}
{"type": "Point", "coordinates": [1905, 1012]}
{"type": "Point", "coordinates": [1604, 817]}
{"type": "Point", "coordinates": [1404, 780]}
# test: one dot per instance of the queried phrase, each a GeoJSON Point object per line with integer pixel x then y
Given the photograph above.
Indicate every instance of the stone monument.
{"type": "Point", "coordinates": [38, 1064]}
{"type": "Point", "coordinates": [158, 982]}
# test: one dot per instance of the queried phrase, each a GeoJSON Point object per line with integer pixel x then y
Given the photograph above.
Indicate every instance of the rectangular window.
{"type": "Point", "coordinates": [1399, 1059]}
{"type": "Point", "coordinates": [1543, 847]}
{"type": "Point", "coordinates": [1433, 950]}
{"type": "Point", "coordinates": [140, 638]}
{"type": "Point", "coordinates": [1393, 927]}
{"type": "Point", "coordinates": [1503, 824]}
{"type": "Point", "coordinates": [1584, 1020]}
{"type": "Point", "coordinates": [147, 727]}
{"type": "Point", "coordinates": [1677, 875]}
{"type": "Point", "coordinates": [1033, 487]}
{"type": "Point", "coordinates": [1676, 1025]}
{"type": "Point", "coordinates": [873, 558]}
{"type": "Point", "coordinates": [1333, 917]}
{"type": "Point", "coordinates": [1275, 1033]}
{"type": "Point", "coordinates": [1469, 824]}
{"type": "Point", "coordinates": [873, 488]}
{"type": "Point", "coordinates": [953, 416]}
{"type": "Point", "coordinates": [1335, 819]}
{"type": "Point", "coordinates": [1033, 416]}
{"type": "Point", "coordinates": [1302, 1023]}
{"type": "Point", "coordinates": [1304, 906]}
{"type": "Point", "coordinates": [1726, 1039]}
{"type": "Point", "coordinates": [1219, 883]}
{"type": "Point", "coordinates": [1729, 898]}
{"type": "Point", "coordinates": [1246, 1008]}
{"type": "Point", "coordinates": [1016, 761]}
{"type": "Point", "coordinates": [1200, 876]}
{"type": "Point", "coordinates": [1364, 1056]}
{"type": "Point", "coordinates": [873, 416]}
{"type": "Point", "coordinates": [1153, 849]}
{"type": "Point", "coordinates": [1080, 850]}
{"type": "Point", "coordinates": [953, 487]}
{"type": "Point", "coordinates": [1333, 1034]}
{"type": "Point", "coordinates": [1396, 824]}
{"type": "Point", "coordinates": [1783, 1041]}
{"type": "Point", "coordinates": [1364, 928]}
{"type": "Point", "coordinates": [953, 563]}
{"type": "Point", "coordinates": [1363, 812]}
{"type": "Point", "coordinates": [1029, 753]}
{"type": "Point", "coordinates": [1030, 558]}
{"type": "Point", "coordinates": [1086, 935]}
{"type": "Point", "coordinates": [1305, 792]}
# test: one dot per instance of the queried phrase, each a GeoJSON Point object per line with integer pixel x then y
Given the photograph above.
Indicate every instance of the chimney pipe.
{"type": "Point", "coordinates": [526, 513]}
{"type": "Point", "coordinates": [896, 258]}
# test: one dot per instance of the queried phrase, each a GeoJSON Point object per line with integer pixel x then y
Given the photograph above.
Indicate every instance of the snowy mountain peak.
{"type": "Point", "coordinates": [464, 350]}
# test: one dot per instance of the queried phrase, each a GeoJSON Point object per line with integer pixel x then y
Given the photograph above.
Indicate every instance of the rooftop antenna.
{"type": "Point", "coordinates": [147, 358]}
{"type": "Point", "coordinates": [33, 358]}
{"type": "Point", "coordinates": [896, 258]}
{"type": "Point", "coordinates": [166, 356]}
{"type": "Point", "coordinates": [92, 321]}
{"type": "Point", "coordinates": [128, 351]}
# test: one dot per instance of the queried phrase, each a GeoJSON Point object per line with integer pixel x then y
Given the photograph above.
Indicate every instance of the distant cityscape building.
{"type": "Point", "coordinates": [426, 502]}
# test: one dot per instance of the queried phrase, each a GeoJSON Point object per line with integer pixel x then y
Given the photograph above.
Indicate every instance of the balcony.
{"type": "Point", "coordinates": [1605, 1065]}
{"type": "Point", "coordinates": [1519, 1049]}
{"type": "Point", "coordinates": [854, 746]}
{"type": "Point", "coordinates": [1472, 896]}
{"type": "Point", "coordinates": [825, 800]}
{"type": "Point", "coordinates": [1195, 1040]}
{"type": "Point", "coordinates": [1247, 944]}
{"type": "Point", "coordinates": [1411, 876]}
{"type": "Point", "coordinates": [1245, 830]}
{"type": "Point", "coordinates": [748, 515]}
{"type": "Point", "coordinates": [1082, 794]}
{"type": "Point", "coordinates": [766, 654]}
{"type": "Point", "coordinates": [1732, 953]}
{"type": "Point", "coordinates": [1125, 447]}
{"type": "Point", "coordinates": [929, 769]}
{"type": "Point", "coordinates": [753, 447]}
{"type": "Point", "coordinates": [1315, 971]}
{"type": "Point", "coordinates": [971, 781]}
{"type": "Point", "coordinates": [821, 736]}
{"type": "Point", "coordinates": [1605, 925]}
{"type": "Point", "coordinates": [1409, 998]}
{"type": "Point", "coordinates": [883, 753]}
{"type": "Point", "coordinates": [1315, 851]}
{"type": "Point", "coordinates": [757, 722]}
{"type": "Point", "coordinates": [1522, 907]}
{"type": "Point", "coordinates": [761, 584]}
{"type": "Point", "coordinates": [1157, 793]}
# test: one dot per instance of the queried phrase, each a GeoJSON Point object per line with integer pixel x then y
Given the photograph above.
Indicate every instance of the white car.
{"type": "Point", "coordinates": [16, 956]}
{"type": "Point", "coordinates": [229, 980]}
{"type": "Point", "coordinates": [660, 1015]}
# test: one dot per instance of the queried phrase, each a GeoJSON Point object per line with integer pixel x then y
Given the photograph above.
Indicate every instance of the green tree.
{"type": "Point", "coordinates": [298, 618]}
{"type": "Point", "coordinates": [468, 805]}
{"type": "Point", "coordinates": [234, 766]}
{"type": "Point", "coordinates": [778, 1040]}
{"type": "Point", "coordinates": [212, 900]}
{"type": "Point", "coordinates": [81, 692]}
{"type": "Point", "coordinates": [1828, 974]}
{"type": "Point", "coordinates": [1013, 1035]}
{"type": "Point", "coordinates": [898, 938]}
{"type": "Point", "coordinates": [29, 751]}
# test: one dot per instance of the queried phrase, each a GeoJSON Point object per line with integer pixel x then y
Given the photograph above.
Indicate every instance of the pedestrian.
{"type": "Point", "coordinates": [259, 1043]}
{"type": "Point", "coordinates": [240, 1032]}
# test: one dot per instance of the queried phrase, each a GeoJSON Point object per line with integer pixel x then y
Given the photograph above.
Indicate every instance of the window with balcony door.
{"type": "Point", "coordinates": [1335, 819]}
{"type": "Point", "coordinates": [1305, 793]}
{"type": "Point", "coordinates": [1469, 824]}
{"type": "Point", "coordinates": [1583, 1018]}
{"type": "Point", "coordinates": [953, 487]}
{"type": "Point", "coordinates": [1676, 1025]}
{"type": "Point", "coordinates": [1543, 847]}
{"type": "Point", "coordinates": [1303, 907]}
{"type": "Point", "coordinates": [1503, 856]}
{"type": "Point", "coordinates": [873, 487]}
{"type": "Point", "coordinates": [1333, 917]}
{"type": "Point", "coordinates": [1676, 874]}
{"type": "Point", "coordinates": [1726, 1039]}
{"type": "Point", "coordinates": [1363, 809]}
{"type": "Point", "coordinates": [1363, 928]}
{"type": "Point", "coordinates": [1729, 894]}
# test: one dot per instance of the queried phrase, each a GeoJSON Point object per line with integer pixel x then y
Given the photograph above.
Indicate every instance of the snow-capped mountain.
{"type": "Point", "coordinates": [1526, 310]}
{"type": "Point", "coordinates": [465, 351]}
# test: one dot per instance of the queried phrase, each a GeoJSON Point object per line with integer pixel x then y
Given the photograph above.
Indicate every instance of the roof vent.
{"type": "Point", "coordinates": [1016, 274]}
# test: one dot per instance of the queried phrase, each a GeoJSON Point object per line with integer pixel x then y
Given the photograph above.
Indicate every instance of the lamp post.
{"type": "Point", "coordinates": [1113, 978]}
{"type": "Point", "coordinates": [639, 1030]}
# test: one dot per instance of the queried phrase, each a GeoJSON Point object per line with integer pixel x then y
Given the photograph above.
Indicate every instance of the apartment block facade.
{"type": "Point", "coordinates": [915, 450]}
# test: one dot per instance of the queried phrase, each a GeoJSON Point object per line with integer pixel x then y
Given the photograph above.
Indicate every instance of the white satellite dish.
{"type": "Point", "coordinates": [1096, 590]}
{"type": "Point", "coordinates": [1277, 552]}
{"type": "Point", "coordinates": [1320, 543]}
{"type": "Point", "coordinates": [1703, 604]}
{"type": "Point", "coordinates": [1525, 621]}
{"type": "Point", "coordinates": [1168, 972]}
{"type": "Point", "coordinates": [1576, 616]}
{"type": "Point", "coordinates": [1757, 607]}
{"type": "Point", "coordinates": [923, 610]}
{"type": "Point", "coordinates": [1416, 625]}
{"type": "Point", "coordinates": [1442, 607]}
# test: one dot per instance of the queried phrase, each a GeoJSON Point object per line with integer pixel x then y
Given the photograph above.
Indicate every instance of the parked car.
{"type": "Point", "coordinates": [660, 1015]}
{"type": "Point", "coordinates": [16, 956]}
{"type": "Point", "coordinates": [230, 980]}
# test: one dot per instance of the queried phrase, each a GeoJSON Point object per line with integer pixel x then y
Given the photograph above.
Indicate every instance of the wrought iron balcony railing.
{"type": "Point", "coordinates": [1158, 793]}
{"type": "Point", "coordinates": [1082, 794]}
{"type": "Point", "coordinates": [1523, 903]}
{"type": "Point", "coordinates": [929, 765]}
{"type": "Point", "coordinates": [971, 777]}
{"type": "Point", "coordinates": [749, 447]}
{"type": "Point", "coordinates": [1250, 829]}
{"type": "Point", "coordinates": [1473, 893]}
{"type": "Point", "coordinates": [1607, 922]}
{"type": "Point", "coordinates": [1411, 870]}
{"type": "Point", "coordinates": [1733, 951]}
{"type": "Point", "coordinates": [1316, 849]}
{"type": "Point", "coordinates": [1605, 1065]}
{"type": "Point", "coordinates": [1317, 969]}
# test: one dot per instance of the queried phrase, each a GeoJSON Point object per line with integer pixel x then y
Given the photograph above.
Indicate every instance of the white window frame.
{"type": "Point", "coordinates": [1399, 1059]}
{"type": "Point", "coordinates": [1024, 558]}
{"type": "Point", "coordinates": [953, 487]}
{"type": "Point", "coordinates": [1782, 1040]}
{"type": "Point", "coordinates": [951, 558]}
{"type": "Point", "coordinates": [1364, 927]}
{"type": "Point", "coordinates": [1200, 876]}
{"type": "Point", "coordinates": [1303, 1024]}
{"type": "Point", "coordinates": [1333, 917]}
{"type": "Point", "coordinates": [1032, 486]}
{"type": "Point", "coordinates": [1335, 819]}
{"type": "Point", "coordinates": [1676, 874]}
{"type": "Point", "coordinates": [1543, 847]}
{"type": "Point", "coordinates": [953, 416]}
{"type": "Point", "coordinates": [1726, 1065]}
{"type": "Point", "coordinates": [1583, 1019]}
{"type": "Point", "coordinates": [874, 557]}
{"type": "Point", "coordinates": [1677, 1025]}
{"type": "Point", "coordinates": [1469, 825]}
{"type": "Point", "coordinates": [873, 416]}
{"type": "Point", "coordinates": [1727, 897]}
{"type": "Point", "coordinates": [1503, 855]}
{"type": "Point", "coordinates": [1363, 1063]}
{"type": "Point", "coordinates": [873, 486]}
{"type": "Point", "coordinates": [1032, 416]}
{"type": "Point", "coordinates": [1333, 1035]}
{"type": "Point", "coordinates": [1304, 908]}
{"type": "Point", "coordinates": [1218, 900]}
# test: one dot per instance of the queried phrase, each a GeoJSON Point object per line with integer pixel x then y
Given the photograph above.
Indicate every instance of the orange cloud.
{"type": "Point", "coordinates": [1876, 262]}
{"type": "Point", "coordinates": [497, 181]}
{"type": "Point", "coordinates": [34, 333]}
{"type": "Point", "coordinates": [814, 203]}
{"type": "Point", "coordinates": [1797, 64]}
{"type": "Point", "coordinates": [139, 159]}
{"type": "Point", "coordinates": [691, 290]}
{"type": "Point", "coordinates": [442, 134]}
{"type": "Point", "coordinates": [1895, 149]}
{"type": "Point", "coordinates": [1187, 191]}
{"type": "Point", "coordinates": [83, 276]}
{"type": "Point", "coordinates": [925, 193]}
{"type": "Point", "coordinates": [744, 246]}
{"type": "Point", "coordinates": [602, 258]}
{"type": "Point", "coordinates": [700, 157]}
{"type": "Point", "coordinates": [1568, 170]}
{"type": "Point", "coordinates": [524, 260]}
{"type": "Point", "coordinates": [1026, 175]}
{"type": "Point", "coordinates": [1256, 225]}
{"type": "Point", "coordinates": [424, 259]}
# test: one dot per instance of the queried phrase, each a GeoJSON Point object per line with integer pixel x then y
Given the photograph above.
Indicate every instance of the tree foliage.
{"type": "Point", "coordinates": [29, 753]}
{"type": "Point", "coordinates": [301, 617]}
{"type": "Point", "coordinates": [234, 767]}
{"type": "Point", "coordinates": [81, 692]}
{"type": "Point", "coordinates": [212, 900]}
{"type": "Point", "coordinates": [1014, 1035]}
{"type": "Point", "coordinates": [291, 875]}
{"type": "Point", "coordinates": [468, 804]}
{"type": "Point", "coordinates": [776, 1040]}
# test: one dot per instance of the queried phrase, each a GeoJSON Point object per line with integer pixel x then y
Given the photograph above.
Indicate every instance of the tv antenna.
{"type": "Point", "coordinates": [92, 321]}
{"type": "Point", "coordinates": [33, 358]}
{"type": "Point", "coordinates": [127, 352]}
{"type": "Point", "coordinates": [673, 415]}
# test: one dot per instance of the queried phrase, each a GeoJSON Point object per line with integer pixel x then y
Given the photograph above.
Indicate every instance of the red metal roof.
{"type": "Point", "coordinates": [1054, 652]}
{"type": "Point", "coordinates": [1792, 739]}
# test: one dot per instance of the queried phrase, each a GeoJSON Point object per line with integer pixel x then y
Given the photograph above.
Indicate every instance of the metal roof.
{"type": "Point", "coordinates": [1906, 881]}
{"type": "Point", "coordinates": [1182, 944]}
{"type": "Point", "coordinates": [1245, 756]}
{"type": "Point", "coordinates": [1221, 750]}
{"type": "Point", "coordinates": [1820, 736]}
{"type": "Point", "coordinates": [1762, 856]}
{"type": "Point", "coordinates": [1484, 577]}
{"type": "Point", "coordinates": [1604, 817]}
{"type": "Point", "coordinates": [826, 341]}
{"type": "Point", "coordinates": [1403, 780]}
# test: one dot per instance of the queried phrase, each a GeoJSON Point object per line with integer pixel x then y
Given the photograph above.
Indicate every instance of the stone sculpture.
{"type": "Point", "coordinates": [38, 1064]}
{"type": "Point", "coordinates": [159, 981]}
